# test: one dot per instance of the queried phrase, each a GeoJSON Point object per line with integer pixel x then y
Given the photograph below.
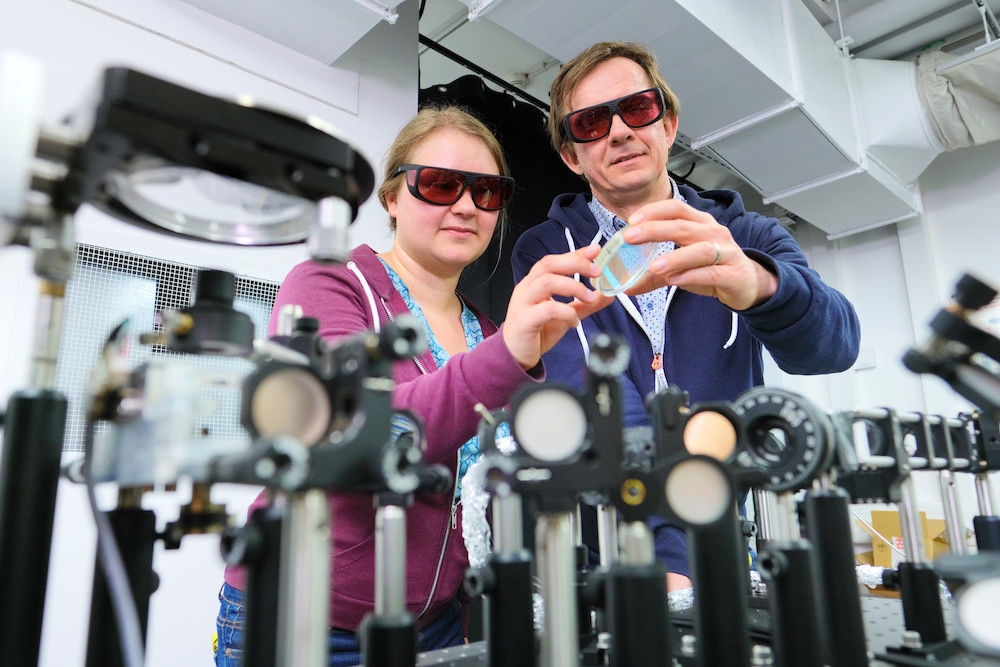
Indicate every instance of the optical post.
{"type": "Point", "coordinates": [716, 548]}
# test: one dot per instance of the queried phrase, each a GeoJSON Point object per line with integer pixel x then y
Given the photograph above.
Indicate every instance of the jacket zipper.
{"type": "Point", "coordinates": [452, 521]}
{"type": "Point", "coordinates": [448, 526]}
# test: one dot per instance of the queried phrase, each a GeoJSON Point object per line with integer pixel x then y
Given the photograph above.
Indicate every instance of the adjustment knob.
{"type": "Point", "coordinates": [972, 293]}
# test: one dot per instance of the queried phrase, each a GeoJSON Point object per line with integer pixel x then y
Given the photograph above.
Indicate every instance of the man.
{"type": "Point", "coordinates": [725, 281]}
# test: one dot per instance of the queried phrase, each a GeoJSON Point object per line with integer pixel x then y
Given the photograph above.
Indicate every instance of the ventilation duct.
{"type": "Point", "coordinates": [324, 31]}
{"type": "Point", "coordinates": [962, 95]}
{"type": "Point", "coordinates": [838, 142]}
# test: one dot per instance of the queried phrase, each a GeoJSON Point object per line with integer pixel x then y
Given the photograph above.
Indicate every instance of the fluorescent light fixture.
{"type": "Point", "coordinates": [480, 7]}
{"type": "Point", "coordinates": [981, 50]}
{"type": "Point", "coordinates": [388, 15]}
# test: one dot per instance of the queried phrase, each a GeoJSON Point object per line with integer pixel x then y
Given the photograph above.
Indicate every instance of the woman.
{"type": "Point", "coordinates": [445, 185]}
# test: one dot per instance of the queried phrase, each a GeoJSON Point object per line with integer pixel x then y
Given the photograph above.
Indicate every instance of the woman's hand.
{"type": "Point", "coordinates": [536, 321]}
{"type": "Point", "coordinates": [706, 261]}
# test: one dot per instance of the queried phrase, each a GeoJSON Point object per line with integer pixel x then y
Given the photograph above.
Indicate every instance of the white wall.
{"type": "Point", "coordinates": [898, 277]}
{"type": "Point", "coordinates": [368, 95]}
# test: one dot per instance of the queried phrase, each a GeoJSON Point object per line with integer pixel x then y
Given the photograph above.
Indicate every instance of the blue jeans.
{"type": "Point", "coordinates": [442, 632]}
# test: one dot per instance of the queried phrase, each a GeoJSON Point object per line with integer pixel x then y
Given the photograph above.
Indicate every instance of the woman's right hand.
{"type": "Point", "coordinates": [535, 320]}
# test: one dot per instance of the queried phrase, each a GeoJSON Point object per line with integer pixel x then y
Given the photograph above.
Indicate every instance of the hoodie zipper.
{"type": "Point", "coordinates": [451, 524]}
{"type": "Point", "coordinates": [452, 521]}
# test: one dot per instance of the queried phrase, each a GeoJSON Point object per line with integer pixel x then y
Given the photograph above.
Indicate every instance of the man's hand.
{"type": "Point", "coordinates": [706, 260]}
{"type": "Point", "coordinates": [675, 582]}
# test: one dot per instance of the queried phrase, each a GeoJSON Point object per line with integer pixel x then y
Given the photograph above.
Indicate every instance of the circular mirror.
{"type": "Point", "coordinates": [549, 423]}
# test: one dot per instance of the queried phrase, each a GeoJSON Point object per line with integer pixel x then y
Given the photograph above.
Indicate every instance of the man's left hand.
{"type": "Point", "coordinates": [706, 261]}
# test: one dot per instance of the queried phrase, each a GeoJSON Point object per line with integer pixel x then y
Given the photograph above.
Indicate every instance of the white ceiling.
{"type": "Point", "coordinates": [884, 29]}
{"type": "Point", "coordinates": [888, 29]}
{"type": "Point", "coordinates": [324, 29]}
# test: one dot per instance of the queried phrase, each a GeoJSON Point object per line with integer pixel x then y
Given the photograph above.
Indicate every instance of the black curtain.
{"type": "Point", "coordinates": [538, 170]}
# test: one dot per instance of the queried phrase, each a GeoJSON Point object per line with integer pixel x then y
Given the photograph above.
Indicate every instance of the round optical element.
{"type": "Point", "coordinates": [292, 401]}
{"type": "Point", "coordinates": [710, 433]}
{"type": "Point", "coordinates": [204, 205]}
{"type": "Point", "coordinates": [977, 616]}
{"type": "Point", "coordinates": [622, 264]}
{"type": "Point", "coordinates": [549, 423]}
{"type": "Point", "coordinates": [697, 490]}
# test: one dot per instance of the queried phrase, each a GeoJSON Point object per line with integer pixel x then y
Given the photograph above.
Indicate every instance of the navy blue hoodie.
{"type": "Point", "coordinates": [712, 352]}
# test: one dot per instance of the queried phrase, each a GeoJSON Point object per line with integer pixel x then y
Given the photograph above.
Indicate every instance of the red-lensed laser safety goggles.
{"type": "Point", "coordinates": [444, 187]}
{"type": "Point", "coordinates": [593, 123]}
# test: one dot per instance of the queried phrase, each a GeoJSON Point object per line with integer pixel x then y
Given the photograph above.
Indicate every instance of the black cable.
{"type": "Point", "coordinates": [108, 555]}
{"type": "Point", "coordinates": [683, 181]}
{"type": "Point", "coordinates": [486, 74]}
{"type": "Point", "coordinates": [694, 163]}
{"type": "Point", "coordinates": [420, 12]}
{"type": "Point", "coordinates": [110, 559]}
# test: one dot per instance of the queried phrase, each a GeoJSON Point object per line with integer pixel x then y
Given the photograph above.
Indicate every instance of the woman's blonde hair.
{"type": "Point", "coordinates": [427, 121]}
{"type": "Point", "coordinates": [577, 68]}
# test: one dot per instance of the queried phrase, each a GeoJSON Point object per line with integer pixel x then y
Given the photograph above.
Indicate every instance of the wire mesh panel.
{"type": "Point", "coordinates": [109, 287]}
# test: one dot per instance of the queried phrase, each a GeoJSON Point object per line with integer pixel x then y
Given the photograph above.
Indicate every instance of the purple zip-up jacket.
{"type": "Point", "coordinates": [444, 399]}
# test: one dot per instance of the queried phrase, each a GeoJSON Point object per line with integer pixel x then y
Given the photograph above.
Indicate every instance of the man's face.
{"type": "Point", "coordinates": [628, 167]}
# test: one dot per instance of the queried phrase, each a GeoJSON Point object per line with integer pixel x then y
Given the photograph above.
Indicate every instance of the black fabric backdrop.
{"type": "Point", "coordinates": [539, 172]}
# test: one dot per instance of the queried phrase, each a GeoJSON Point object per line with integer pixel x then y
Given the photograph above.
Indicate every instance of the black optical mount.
{"type": "Point", "coordinates": [142, 116]}
{"type": "Point", "coordinates": [885, 476]}
{"type": "Point", "coordinates": [210, 325]}
{"type": "Point", "coordinates": [985, 458]}
{"type": "Point", "coordinates": [596, 469]}
{"type": "Point", "coordinates": [137, 120]}
{"type": "Point", "coordinates": [359, 456]}
{"type": "Point", "coordinates": [949, 352]}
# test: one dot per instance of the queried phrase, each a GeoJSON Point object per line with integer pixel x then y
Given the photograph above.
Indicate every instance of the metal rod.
{"type": "Point", "coordinates": [287, 317]}
{"type": "Point", "coordinates": [508, 536]}
{"type": "Point", "coordinates": [607, 534]}
{"type": "Point", "coordinates": [762, 511]}
{"type": "Point", "coordinates": [952, 511]}
{"type": "Point", "coordinates": [913, 539]}
{"type": "Point", "coordinates": [923, 20]}
{"type": "Point", "coordinates": [48, 330]}
{"type": "Point", "coordinates": [486, 74]}
{"type": "Point", "coordinates": [328, 241]}
{"type": "Point", "coordinates": [390, 560]}
{"type": "Point", "coordinates": [785, 521]}
{"type": "Point", "coordinates": [304, 576]}
{"type": "Point", "coordinates": [636, 544]}
{"type": "Point", "coordinates": [554, 539]}
{"type": "Point", "coordinates": [984, 494]}
{"type": "Point", "coordinates": [989, 19]}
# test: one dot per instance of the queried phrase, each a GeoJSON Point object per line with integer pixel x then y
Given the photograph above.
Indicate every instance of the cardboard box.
{"type": "Point", "coordinates": [886, 524]}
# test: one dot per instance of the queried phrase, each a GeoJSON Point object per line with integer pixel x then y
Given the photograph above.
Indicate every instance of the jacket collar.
{"type": "Point", "coordinates": [370, 265]}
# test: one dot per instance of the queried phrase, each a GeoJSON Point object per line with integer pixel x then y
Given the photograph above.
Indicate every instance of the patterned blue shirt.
{"type": "Point", "coordinates": [652, 305]}
{"type": "Point", "coordinates": [469, 452]}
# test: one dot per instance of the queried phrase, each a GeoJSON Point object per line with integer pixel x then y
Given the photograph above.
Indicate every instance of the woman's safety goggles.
{"type": "Point", "coordinates": [444, 187]}
{"type": "Point", "coordinates": [593, 123]}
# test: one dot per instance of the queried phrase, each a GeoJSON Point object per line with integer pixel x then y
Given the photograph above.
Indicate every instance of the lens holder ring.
{"type": "Point", "coordinates": [806, 437]}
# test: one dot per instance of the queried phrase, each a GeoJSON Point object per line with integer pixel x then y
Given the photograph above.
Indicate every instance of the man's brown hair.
{"type": "Point", "coordinates": [577, 68]}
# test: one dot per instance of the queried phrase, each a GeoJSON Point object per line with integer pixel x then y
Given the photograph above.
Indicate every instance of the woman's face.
{"type": "Point", "coordinates": [444, 239]}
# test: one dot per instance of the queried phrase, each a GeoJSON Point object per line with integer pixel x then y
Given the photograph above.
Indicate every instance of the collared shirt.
{"type": "Point", "coordinates": [652, 305]}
